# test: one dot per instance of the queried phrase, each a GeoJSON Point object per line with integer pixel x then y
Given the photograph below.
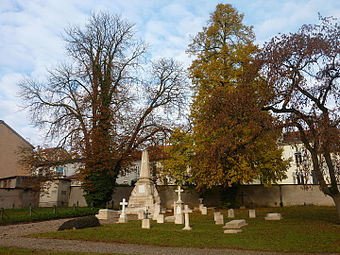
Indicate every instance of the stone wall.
{"type": "Point", "coordinates": [56, 193]}
{"type": "Point", "coordinates": [287, 195]}
{"type": "Point", "coordinates": [248, 195]}
{"type": "Point", "coordinates": [18, 198]}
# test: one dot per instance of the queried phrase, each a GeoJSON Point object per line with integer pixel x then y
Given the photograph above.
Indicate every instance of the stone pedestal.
{"type": "Point", "coordinates": [178, 213]}
{"type": "Point", "coordinates": [204, 210]}
{"type": "Point", "coordinates": [106, 214]}
{"type": "Point", "coordinates": [156, 211]}
{"type": "Point", "coordinates": [123, 218]}
{"type": "Point", "coordinates": [179, 219]}
{"type": "Point", "coordinates": [140, 214]}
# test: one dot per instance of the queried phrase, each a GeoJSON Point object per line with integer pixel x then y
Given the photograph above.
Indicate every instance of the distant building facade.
{"type": "Point", "coordinates": [10, 145]}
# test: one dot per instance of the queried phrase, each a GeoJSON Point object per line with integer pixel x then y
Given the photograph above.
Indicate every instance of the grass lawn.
{"type": "Point", "coordinates": [43, 213]}
{"type": "Point", "coordinates": [22, 251]}
{"type": "Point", "coordinates": [308, 229]}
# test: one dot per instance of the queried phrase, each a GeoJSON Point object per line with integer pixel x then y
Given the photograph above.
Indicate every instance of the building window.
{"type": "Point", "coordinates": [298, 158]}
{"type": "Point", "coordinates": [59, 170]}
{"type": "Point", "coordinates": [315, 178]}
{"type": "Point", "coordinates": [300, 178]}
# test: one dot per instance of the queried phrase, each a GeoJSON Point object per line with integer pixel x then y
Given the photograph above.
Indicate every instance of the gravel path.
{"type": "Point", "coordinates": [11, 235]}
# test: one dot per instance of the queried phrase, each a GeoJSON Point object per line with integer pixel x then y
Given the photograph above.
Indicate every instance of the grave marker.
{"type": "Point", "coordinates": [186, 215]}
{"type": "Point", "coordinates": [252, 213]}
{"type": "Point", "coordinates": [123, 217]}
{"type": "Point", "coordinates": [231, 213]}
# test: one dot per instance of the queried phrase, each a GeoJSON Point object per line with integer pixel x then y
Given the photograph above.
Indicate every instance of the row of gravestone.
{"type": "Point", "coordinates": [235, 226]}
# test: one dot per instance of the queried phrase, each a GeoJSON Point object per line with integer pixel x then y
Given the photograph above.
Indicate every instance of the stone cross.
{"type": "Point", "coordinates": [186, 217]}
{"type": "Point", "coordinates": [200, 200]}
{"type": "Point", "coordinates": [123, 204]}
{"type": "Point", "coordinates": [179, 191]}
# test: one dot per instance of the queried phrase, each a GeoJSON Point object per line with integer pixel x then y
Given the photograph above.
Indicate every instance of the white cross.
{"type": "Point", "coordinates": [186, 217]}
{"type": "Point", "coordinates": [179, 191]}
{"type": "Point", "coordinates": [186, 209]}
{"type": "Point", "coordinates": [123, 204]}
{"type": "Point", "coordinates": [200, 200]}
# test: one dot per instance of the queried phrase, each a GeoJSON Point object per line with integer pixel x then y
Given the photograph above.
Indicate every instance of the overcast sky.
{"type": "Point", "coordinates": [30, 34]}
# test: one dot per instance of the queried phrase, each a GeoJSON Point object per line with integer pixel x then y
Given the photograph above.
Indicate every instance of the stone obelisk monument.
{"type": "Point", "coordinates": [144, 195]}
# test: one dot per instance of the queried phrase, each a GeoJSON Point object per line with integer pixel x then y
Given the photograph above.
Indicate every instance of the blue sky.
{"type": "Point", "coordinates": [30, 34]}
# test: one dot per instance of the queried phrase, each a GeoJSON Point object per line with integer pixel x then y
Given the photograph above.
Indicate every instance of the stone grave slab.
{"type": "Point", "coordinates": [106, 214]}
{"type": "Point", "coordinates": [235, 224]}
{"type": "Point", "coordinates": [232, 231]}
{"type": "Point", "coordinates": [204, 210]}
{"type": "Point", "coordinates": [273, 216]}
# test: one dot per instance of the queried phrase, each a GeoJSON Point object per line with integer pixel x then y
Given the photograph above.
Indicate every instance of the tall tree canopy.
{"type": "Point", "coordinates": [104, 103]}
{"type": "Point", "coordinates": [234, 141]}
{"type": "Point", "coordinates": [302, 70]}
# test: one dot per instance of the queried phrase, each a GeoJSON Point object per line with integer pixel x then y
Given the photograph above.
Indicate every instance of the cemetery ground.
{"type": "Point", "coordinates": [302, 229]}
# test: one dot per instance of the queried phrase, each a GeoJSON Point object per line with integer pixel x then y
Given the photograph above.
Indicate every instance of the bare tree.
{"type": "Point", "coordinates": [103, 104]}
{"type": "Point", "coordinates": [303, 70]}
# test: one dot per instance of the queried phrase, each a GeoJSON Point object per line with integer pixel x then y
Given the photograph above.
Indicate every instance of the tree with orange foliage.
{"type": "Point", "coordinates": [234, 140]}
{"type": "Point", "coordinates": [302, 70]}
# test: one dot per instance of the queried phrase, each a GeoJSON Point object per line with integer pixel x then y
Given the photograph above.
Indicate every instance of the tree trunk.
{"type": "Point", "coordinates": [336, 199]}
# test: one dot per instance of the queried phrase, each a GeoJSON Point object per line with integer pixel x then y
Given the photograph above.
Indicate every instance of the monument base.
{"type": "Point", "coordinates": [143, 196]}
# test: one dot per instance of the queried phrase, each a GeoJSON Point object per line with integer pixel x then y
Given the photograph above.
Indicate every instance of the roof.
{"type": "Point", "coordinates": [17, 134]}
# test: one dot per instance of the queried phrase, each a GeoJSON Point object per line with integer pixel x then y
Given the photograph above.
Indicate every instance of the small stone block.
{"type": "Point", "coordinates": [232, 231]}
{"type": "Point", "coordinates": [219, 220]}
{"type": "Point", "coordinates": [204, 210]}
{"type": "Point", "coordinates": [252, 213]}
{"type": "Point", "coordinates": [235, 224]}
{"type": "Point", "coordinates": [273, 216]}
{"type": "Point", "coordinates": [160, 218]}
{"type": "Point", "coordinates": [146, 223]}
{"type": "Point", "coordinates": [187, 228]}
{"type": "Point", "coordinates": [216, 214]}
